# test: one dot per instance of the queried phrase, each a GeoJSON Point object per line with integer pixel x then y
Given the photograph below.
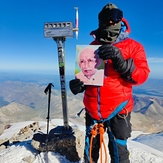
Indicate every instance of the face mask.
{"type": "Point", "coordinates": [108, 34]}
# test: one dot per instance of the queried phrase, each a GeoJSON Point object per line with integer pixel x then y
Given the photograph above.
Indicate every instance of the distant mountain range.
{"type": "Point", "coordinates": [147, 114]}
{"type": "Point", "coordinates": [22, 98]}
{"type": "Point", "coordinates": [152, 87]}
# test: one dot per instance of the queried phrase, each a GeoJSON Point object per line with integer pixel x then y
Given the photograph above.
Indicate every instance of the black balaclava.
{"type": "Point", "coordinates": [107, 34]}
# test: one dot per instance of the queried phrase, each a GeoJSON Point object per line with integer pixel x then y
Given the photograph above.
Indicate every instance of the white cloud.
{"type": "Point", "coordinates": [155, 60]}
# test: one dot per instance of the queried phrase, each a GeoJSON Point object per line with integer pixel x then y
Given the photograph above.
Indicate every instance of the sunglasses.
{"type": "Point", "coordinates": [115, 15]}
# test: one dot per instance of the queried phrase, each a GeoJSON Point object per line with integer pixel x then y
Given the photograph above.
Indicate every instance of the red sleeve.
{"type": "Point", "coordinates": [141, 72]}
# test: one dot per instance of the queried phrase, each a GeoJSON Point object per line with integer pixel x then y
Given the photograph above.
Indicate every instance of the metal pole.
{"type": "Point", "coordinates": [48, 89]}
{"type": "Point", "coordinates": [61, 60]}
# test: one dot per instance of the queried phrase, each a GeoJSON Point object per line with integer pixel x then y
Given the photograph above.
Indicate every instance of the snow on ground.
{"type": "Point", "coordinates": [152, 140]}
{"type": "Point", "coordinates": [21, 152]}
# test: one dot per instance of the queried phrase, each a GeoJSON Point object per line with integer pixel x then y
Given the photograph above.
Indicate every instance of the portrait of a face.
{"type": "Point", "coordinates": [89, 62]}
{"type": "Point", "coordinates": [88, 65]}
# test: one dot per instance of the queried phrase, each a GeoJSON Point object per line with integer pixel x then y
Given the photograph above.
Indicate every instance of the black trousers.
{"type": "Point", "coordinates": [121, 129]}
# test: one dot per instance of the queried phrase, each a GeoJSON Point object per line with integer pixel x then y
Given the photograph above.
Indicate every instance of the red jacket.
{"type": "Point", "coordinates": [101, 101]}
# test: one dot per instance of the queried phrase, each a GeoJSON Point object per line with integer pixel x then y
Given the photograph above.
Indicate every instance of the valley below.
{"type": "Point", "coordinates": [23, 101]}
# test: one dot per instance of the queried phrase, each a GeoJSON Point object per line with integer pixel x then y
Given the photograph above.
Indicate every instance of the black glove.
{"type": "Point", "coordinates": [124, 67]}
{"type": "Point", "coordinates": [76, 86]}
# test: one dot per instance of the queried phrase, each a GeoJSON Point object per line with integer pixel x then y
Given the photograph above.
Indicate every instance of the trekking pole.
{"type": "Point", "coordinates": [48, 89]}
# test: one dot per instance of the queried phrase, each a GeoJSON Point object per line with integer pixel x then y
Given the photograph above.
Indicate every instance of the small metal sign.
{"type": "Point", "coordinates": [58, 29]}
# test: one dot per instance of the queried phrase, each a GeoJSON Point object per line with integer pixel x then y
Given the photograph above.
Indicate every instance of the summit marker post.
{"type": "Point", "coordinates": [59, 31]}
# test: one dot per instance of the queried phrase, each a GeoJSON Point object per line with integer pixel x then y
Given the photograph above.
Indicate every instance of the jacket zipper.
{"type": "Point", "coordinates": [98, 103]}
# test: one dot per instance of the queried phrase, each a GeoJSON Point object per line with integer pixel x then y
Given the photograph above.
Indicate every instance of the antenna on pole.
{"type": "Point", "coordinates": [76, 29]}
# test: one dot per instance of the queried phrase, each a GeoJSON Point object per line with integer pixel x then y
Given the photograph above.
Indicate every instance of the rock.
{"type": "Point", "coordinates": [1, 128]}
{"type": "Point", "coordinates": [29, 159]}
{"type": "Point", "coordinates": [7, 126]}
{"type": "Point", "coordinates": [4, 141]}
{"type": "Point", "coordinates": [2, 147]}
{"type": "Point", "coordinates": [80, 142]}
{"type": "Point", "coordinates": [63, 143]}
{"type": "Point", "coordinates": [24, 133]}
{"type": "Point", "coordinates": [4, 144]}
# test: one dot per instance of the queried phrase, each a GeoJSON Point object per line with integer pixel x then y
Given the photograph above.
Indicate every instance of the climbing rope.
{"type": "Point", "coordinates": [98, 129]}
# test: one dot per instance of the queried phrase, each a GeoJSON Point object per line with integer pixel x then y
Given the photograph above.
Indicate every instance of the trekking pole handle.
{"type": "Point", "coordinates": [48, 88]}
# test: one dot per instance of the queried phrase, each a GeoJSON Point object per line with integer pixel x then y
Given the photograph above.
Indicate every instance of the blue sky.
{"type": "Point", "coordinates": [24, 48]}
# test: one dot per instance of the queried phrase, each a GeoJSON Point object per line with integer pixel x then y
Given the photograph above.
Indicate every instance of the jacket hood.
{"type": "Point", "coordinates": [125, 22]}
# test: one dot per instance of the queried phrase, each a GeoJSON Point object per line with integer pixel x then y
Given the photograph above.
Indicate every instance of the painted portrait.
{"type": "Point", "coordinates": [89, 68]}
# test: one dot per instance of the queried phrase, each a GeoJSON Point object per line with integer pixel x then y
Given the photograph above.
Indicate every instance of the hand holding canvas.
{"type": "Point", "coordinates": [121, 65]}
{"type": "Point", "coordinates": [76, 86]}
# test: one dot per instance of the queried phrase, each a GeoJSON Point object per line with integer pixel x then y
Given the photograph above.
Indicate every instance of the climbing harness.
{"type": "Point", "coordinates": [98, 128]}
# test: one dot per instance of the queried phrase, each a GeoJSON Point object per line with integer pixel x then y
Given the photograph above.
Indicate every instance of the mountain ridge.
{"type": "Point", "coordinates": [31, 99]}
